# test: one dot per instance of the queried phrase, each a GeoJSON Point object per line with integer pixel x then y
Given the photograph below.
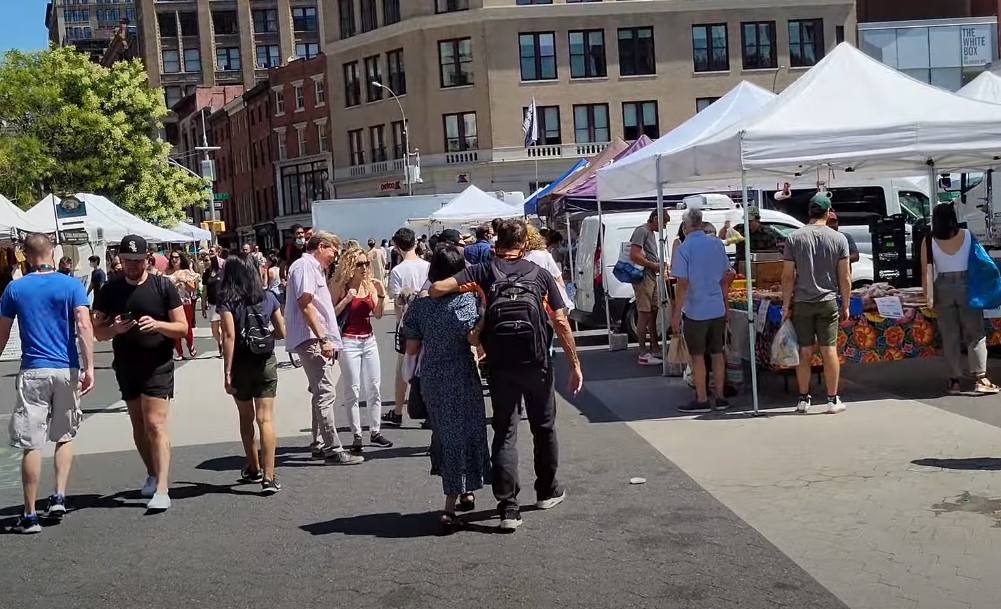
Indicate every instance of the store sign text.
{"type": "Point", "coordinates": [976, 45]}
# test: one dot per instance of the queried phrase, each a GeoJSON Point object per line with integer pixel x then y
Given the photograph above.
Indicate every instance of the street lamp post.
{"type": "Point", "coordinates": [406, 136]}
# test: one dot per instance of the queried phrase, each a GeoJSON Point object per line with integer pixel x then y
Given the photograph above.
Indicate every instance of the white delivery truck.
{"type": "Point", "coordinates": [596, 256]}
{"type": "Point", "coordinates": [377, 217]}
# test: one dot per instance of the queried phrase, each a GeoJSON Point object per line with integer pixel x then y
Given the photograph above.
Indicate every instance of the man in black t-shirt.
{"type": "Point", "coordinates": [142, 315]}
{"type": "Point", "coordinates": [293, 249]}
{"type": "Point", "coordinates": [510, 383]}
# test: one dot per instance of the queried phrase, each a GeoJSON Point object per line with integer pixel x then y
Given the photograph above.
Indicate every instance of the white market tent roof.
{"type": "Point", "coordinates": [986, 87]}
{"type": "Point", "coordinates": [12, 216]}
{"type": "Point", "coordinates": [474, 205]}
{"type": "Point", "coordinates": [102, 213]}
{"type": "Point", "coordinates": [196, 233]}
{"type": "Point", "coordinates": [849, 112]}
{"type": "Point", "coordinates": [634, 175]}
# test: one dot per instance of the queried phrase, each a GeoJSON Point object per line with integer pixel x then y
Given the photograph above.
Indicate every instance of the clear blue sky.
{"type": "Point", "coordinates": [22, 25]}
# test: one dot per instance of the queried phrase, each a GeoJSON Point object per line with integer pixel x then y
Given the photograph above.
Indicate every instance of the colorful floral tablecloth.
{"type": "Point", "coordinates": [868, 337]}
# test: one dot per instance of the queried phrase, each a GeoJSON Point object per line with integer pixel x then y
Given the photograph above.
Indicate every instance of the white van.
{"type": "Point", "coordinates": [594, 262]}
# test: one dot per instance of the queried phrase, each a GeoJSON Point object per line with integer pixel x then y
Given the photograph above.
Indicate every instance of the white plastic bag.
{"type": "Point", "coordinates": [785, 347]}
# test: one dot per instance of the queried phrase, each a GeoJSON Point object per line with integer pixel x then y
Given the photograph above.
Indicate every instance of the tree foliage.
{"type": "Point", "coordinates": [68, 125]}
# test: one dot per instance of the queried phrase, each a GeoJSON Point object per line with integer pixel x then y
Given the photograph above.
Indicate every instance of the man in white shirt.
{"type": "Point", "coordinates": [406, 281]}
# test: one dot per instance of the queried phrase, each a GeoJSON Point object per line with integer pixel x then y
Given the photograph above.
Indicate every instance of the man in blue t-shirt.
{"type": "Point", "coordinates": [52, 310]}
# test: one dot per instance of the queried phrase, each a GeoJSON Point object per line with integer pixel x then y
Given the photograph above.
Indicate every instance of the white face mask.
{"type": "Point", "coordinates": [493, 239]}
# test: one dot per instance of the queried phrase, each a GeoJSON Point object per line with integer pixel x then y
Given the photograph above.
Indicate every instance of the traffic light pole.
{"type": "Point", "coordinates": [208, 172]}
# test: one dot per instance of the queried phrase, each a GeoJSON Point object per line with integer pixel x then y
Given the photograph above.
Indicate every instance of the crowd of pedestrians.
{"type": "Point", "coordinates": [509, 307]}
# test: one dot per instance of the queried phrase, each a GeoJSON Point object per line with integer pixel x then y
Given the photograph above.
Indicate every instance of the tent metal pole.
{"type": "Point", "coordinates": [661, 280]}
{"type": "Point", "coordinates": [570, 255]}
{"type": "Point", "coordinates": [751, 332]}
{"type": "Point", "coordinates": [601, 270]}
{"type": "Point", "coordinates": [932, 189]}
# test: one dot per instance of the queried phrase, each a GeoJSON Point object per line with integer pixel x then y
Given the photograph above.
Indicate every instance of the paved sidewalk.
{"type": "Point", "coordinates": [366, 536]}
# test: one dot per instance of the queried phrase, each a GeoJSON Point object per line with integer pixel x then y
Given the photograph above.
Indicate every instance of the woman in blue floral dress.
{"type": "Point", "coordinates": [441, 330]}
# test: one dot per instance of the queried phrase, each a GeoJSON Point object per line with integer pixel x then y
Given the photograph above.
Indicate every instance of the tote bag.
{"type": "Point", "coordinates": [983, 279]}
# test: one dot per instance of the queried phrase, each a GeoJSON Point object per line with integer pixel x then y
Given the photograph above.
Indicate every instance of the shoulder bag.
{"type": "Point", "coordinates": [983, 279]}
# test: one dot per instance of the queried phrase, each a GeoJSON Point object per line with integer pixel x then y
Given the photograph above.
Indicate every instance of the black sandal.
{"type": "Point", "coordinates": [450, 522]}
{"type": "Point", "coordinates": [467, 503]}
{"type": "Point", "coordinates": [954, 387]}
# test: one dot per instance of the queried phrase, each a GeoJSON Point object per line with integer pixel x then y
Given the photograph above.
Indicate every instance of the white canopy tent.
{"type": "Point", "coordinates": [102, 214]}
{"type": "Point", "coordinates": [633, 176]}
{"type": "Point", "coordinates": [986, 87]}
{"type": "Point", "coordinates": [473, 205]}
{"type": "Point", "coordinates": [849, 113]}
{"type": "Point", "coordinates": [196, 234]}
{"type": "Point", "coordinates": [13, 217]}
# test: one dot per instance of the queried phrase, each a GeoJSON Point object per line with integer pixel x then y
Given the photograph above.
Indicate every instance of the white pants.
{"type": "Point", "coordinates": [360, 368]}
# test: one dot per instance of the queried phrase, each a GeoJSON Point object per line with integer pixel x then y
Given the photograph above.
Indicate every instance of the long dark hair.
{"type": "Point", "coordinates": [214, 269]}
{"type": "Point", "coordinates": [240, 284]}
{"type": "Point", "coordinates": [447, 261]}
{"type": "Point", "coordinates": [944, 223]}
{"type": "Point", "coordinates": [182, 260]}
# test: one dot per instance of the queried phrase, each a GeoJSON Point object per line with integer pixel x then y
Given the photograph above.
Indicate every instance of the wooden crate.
{"type": "Point", "coordinates": [766, 274]}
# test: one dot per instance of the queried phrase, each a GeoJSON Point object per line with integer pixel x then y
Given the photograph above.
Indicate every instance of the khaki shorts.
{"type": "Point", "coordinates": [704, 336]}
{"type": "Point", "coordinates": [816, 321]}
{"type": "Point", "coordinates": [646, 294]}
{"type": "Point", "coordinates": [254, 377]}
{"type": "Point", "coordinates": [47, 408]}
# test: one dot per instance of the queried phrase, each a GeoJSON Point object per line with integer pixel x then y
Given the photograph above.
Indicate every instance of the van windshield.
{"type": "Point", "coordinates": [914, 205]}
{"type": "Point", "coordinates": [855, 206]}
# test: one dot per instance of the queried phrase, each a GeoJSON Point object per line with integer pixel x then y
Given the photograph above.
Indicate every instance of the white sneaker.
{"type": "Point", "coordinates": [149, 487]}
{"type": "Point", "coordinates": [159, 503]}
{"type": "Point", "coordinates": [548, 504]}
{"type": "Point", "coordinates": [836, 406]}
{"type": "Point", "coordinates": [649, 359]}
{"type": "Point", "coordinates": [803, 406]}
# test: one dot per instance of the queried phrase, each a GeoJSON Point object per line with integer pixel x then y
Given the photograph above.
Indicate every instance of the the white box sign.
{"type": "Point", "coordinates": [976, 40]}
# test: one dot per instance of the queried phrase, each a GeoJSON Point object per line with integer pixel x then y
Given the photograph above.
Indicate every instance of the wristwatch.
{"type": "Point", "coordinates": [328, 339]}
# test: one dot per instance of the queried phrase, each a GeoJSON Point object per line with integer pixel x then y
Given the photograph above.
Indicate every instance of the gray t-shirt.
{"type": "Point", "coordinates": [816, 250]}
{"type": "Point", "coordinates": [646, 239]}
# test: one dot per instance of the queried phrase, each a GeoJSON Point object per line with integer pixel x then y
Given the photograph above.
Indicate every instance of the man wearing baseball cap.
{"type": "Point", "coordinates": [815, 273]}
{"type": "Point", "coordinates": [142, 314]}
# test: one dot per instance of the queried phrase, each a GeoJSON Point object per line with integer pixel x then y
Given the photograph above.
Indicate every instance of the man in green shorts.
{"type": "Point", "coordinates": [816, 272]}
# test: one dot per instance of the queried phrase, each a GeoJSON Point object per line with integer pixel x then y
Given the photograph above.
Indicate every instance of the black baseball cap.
{"type": "Point", "coordinates": [450, 236]}
{"type": "Point", "coordinates": [133, 247]}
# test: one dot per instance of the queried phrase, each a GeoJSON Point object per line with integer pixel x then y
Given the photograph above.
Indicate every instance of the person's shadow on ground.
{"type": "Point", "coordinates": [394, 525]}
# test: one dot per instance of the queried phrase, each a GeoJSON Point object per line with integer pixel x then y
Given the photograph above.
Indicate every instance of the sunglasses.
{"type": "Point", "coordinates": [361, 265]}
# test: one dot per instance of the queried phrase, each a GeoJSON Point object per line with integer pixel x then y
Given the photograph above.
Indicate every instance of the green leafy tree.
{"type": "Point", "coordinates": [68, 125]}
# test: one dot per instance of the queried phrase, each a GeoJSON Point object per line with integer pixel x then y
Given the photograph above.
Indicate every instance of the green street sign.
{"type": "Point", "coordinates": [220, 196]}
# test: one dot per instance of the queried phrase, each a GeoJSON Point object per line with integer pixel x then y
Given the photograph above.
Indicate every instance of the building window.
{"type": "Point", "coordinates": [456, 60]}
{"type": "Point", "coordinates": [355, 147]}
{"type": "Point", "coordinates": [171, 96]}
{"type": "Point", "coordinates": [300, 140]}
{"type": "Point", "coordinates": [300, 98]}
{"type": "Point", "coordinates": [702, 103]}
{"type": "Point", "coordinates": [460, 132]}
{"type": "Point", "coordinates": [228, 58]}
{"type": "Point", "coordinates": [377, 141]}
{"type": "Point", "coordinates": [171, 61]}
{"type": "Point", "coordinates": [282, 145]}
{"type": "Point", "coordinates": [369, 20]}
{"type": "Point", "coordinates": [709, 48]}
{"type": "Point", "coordinates": [189, 23]}
{"type": "Point", "coordinates": [640, 118]}
{"type": "Point", "coordinates": [304, 19]}
{"type": "Point", "coordinates": [279, 102]}
{"type": "Point", "coordinates": [322, 140]}
{"type": "Point", "coordinates": [167, 23]}
{"type": "Point", "coordinates": [548, 118]}
{"type": "Point", "coordinates": [372, 74]}
{"type": "Point", "coordinates": [397, 72]}
{"type": "Point", "coordinates": [399, 139]}
{"type": "Point", "coordinates": [636, 54]}
{"type": "Point", "coordinates": [307, 50]}
{"type": "Point", "coordinates": [224, 23]}
{"type": "Point", "coordinates": [758, 45]}
{"type": "Point", "coordinates": [268, 56]}
{"type": "Point", "coordinates": [390, 11]}
{"type": "Point", "coordinates": [346, 12]}
{"type": "Point", "coordinates": [320, 91]}
{"type": "Point", "coordinates": [590, 123]}
{"type": "Point", "coordinates": [450, 6]}
{"type": "Point", "coordinates": [587, 54]}
{"type": "Point", "coordinates": [352, 89]}
{"type": "Point", "coordinates": [192, 60]}
{"type": "Point", "coordinates": [806, 42]}
{"type": "Point", "coordinates": [537, 52]}
{"type": "Point", "coordinates": [265, 20]}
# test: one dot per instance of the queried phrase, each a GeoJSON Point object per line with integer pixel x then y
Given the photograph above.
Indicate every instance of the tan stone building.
{"type": "Point", "coordinates": [466, 69]}
{"type": "Point", "coordinates": [186, 43]}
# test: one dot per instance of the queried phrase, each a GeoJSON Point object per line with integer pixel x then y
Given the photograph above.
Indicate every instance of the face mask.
{"type": "Point", "coordinates": [65, 271]}
{"type": "Point", "coordinates": [300, 241]}
{"type": "Point", "coordinates": [493, 240]}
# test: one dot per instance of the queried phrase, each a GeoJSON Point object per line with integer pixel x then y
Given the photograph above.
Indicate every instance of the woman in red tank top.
{"type": "Point", "coordinates": [358, 297]}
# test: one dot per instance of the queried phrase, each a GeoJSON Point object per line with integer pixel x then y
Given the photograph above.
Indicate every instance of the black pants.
{"type": "Point", "coordinates": [507, 388]}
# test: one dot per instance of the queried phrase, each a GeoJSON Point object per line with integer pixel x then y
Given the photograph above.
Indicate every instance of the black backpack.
{"type": "Point", "coordinates": [517, 331]}
{"type": "Point", "coordinates": [255, 336]}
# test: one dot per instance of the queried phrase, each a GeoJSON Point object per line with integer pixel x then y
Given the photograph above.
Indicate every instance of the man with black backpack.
{"type": "Point", "coordinates": [524, 310]}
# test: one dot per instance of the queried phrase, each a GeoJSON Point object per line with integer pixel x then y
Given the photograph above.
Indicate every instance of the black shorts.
{"type": "Point", "coordinates": [151, 379]}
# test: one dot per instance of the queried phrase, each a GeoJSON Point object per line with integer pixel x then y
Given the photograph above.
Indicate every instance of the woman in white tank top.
{"type": "Point", "coordinates": [958, 323]}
